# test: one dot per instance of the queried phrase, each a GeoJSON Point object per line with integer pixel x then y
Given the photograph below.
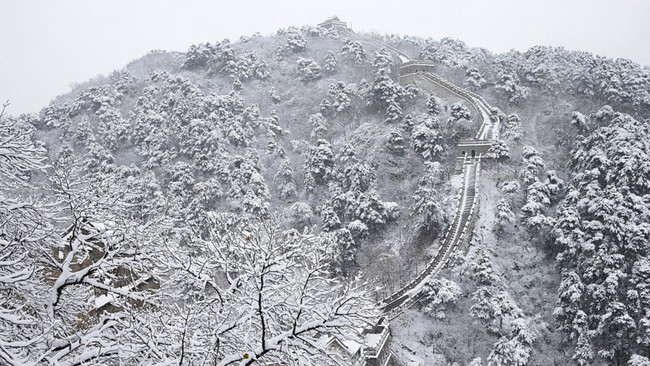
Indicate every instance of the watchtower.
{"type": "Point", "coordinates": [333, 22]}
{"type": "Point", "coordinates": [471, 149]}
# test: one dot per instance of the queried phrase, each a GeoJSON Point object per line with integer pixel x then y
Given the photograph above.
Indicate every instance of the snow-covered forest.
{"type": "Point", "coordinates": [250, 202]}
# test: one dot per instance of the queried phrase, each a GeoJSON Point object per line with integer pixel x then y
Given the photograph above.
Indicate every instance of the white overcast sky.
{"type": "Point", "coordinates": [47, 45]}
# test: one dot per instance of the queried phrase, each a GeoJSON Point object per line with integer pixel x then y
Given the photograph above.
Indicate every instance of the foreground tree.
{"type": "Point", "coordinates": [254, 295]}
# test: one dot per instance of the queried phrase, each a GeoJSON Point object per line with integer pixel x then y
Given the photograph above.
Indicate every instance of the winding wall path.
{"type": "Point", "coordinates": [460, 230]}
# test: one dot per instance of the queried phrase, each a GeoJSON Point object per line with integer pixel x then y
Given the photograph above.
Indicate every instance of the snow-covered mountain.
{"type": "Point", "coordinates": [244, 201]}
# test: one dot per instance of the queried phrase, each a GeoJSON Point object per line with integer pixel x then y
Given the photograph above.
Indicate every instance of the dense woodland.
{"type": "Point", "coordinates": [243, 201]}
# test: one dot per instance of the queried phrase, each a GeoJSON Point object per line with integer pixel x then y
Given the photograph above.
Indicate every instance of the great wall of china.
{"type": "Point", "coordinates": [376, 349]}
{"type": "Point", "coordinates": [458, 234]}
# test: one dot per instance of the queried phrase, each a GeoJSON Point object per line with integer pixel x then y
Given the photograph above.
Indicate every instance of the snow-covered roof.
{"type": "Point", "coordinates": [333, 22]}
{"type": "Point", "coordinates": [352, 346]}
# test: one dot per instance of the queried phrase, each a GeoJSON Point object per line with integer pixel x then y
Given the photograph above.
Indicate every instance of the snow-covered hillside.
{"type": "Point", "coordinates": [241, 202]}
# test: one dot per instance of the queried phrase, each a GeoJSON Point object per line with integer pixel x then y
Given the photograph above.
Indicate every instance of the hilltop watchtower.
{"type": "Point", "coordinates": [333, 22]}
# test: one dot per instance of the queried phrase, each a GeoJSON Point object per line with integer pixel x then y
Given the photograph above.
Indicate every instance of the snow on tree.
{"type": "Point", "coordinates": [407, 123]}
{"type": "Point", "coordinates": [308, 69]}
{"type": "Point", "coordinates": [89, 278]}
{"type": "Point", "coordinates": [567, 309]}
{"type": "Point", "coordinates": [450, 52]}
{"type": "Point", "coordinates": [509, 83]}
{"type": "Point", "coordinates": [458, 111]}
{"type": "Point", "coordinates": [554, 185]}
{"type": "Point", "coordinates": [358, 229]}
{"type": "Point", "coordinates": [247, 66]}
{"type": "Point", "coordinates": [474, 79]}
{"type": "Point", "coordinates": [490, 301]}
{"type": "Point", "coordinates": [347, 154]}
{"type": "Point", "coordinates": [84, 134]}
{"type": "Point", "coordinates": [512, 129]}
{"type": "Point", "coordinates": [248, 191]}
{"type": "Point", "coordinates": [112, 128]}
{"type": "Point", "coordinates": [382, 62]}
{"type": "Point", "coordinates": [605, 114]}
{"type": "Point", "coordinates": [213, 56]}
{"type": "Point", "coordinates": [300, 214]}
{"type": "Point", "coordinates": [438, 294]}
{"type": "Point", "coordinates": [319, 125]}
{"type": "Point", "coordinates": [387, 95]}
{"type": "Point", "coordinates": [340, 99]}
{"type": "Point", "coordinates": [280, 53]}
{"type": "Point", "coordinates": [237, 85]}
{"type": "Point", "coordinates": [331, 221]}
{"type": "Point", "coordinates": [503, 216]}
{"type": "Point", "coordinates": [637, 360]}
{"type": "Point", "coordinates": [498, 151]}
{"type": "Point", "coordinates": [295, 41]}
{"type": "Point", "coordinates": [23, 235]}
{"type": "Point", "coordinates": [344, 259]}
{"type": "Point", "coordinates": [357, 177]}
{"type": "Point", "coordinates": [319, 161]}
{"type": "Point", "coordinates": [534, 164]}
{"type": "Point", "coordinates": [285, 181]}
{"type": "Point", "coordinates": [579, 121]}
{"type": "Point", "coordinates": [396, 143]}
{"type": "Point", "coordinates": [514, 350]}
{"type": "Point", "coordinates": [426, 139]}
{"type": "Point", "coordinates": [353, 50]}
{"type": "Point", "coordinates": [330, 63]}
{"type": "Point", "coordinates": [510, 187]}
{"type": "Point", "coordinates": [534, 211]}
{"type": "Point", "coordinates": [433, 105]}
{"type": "Point", "coordinates": [309, 183]}
{"type": "Point", "coordinates": [207, 193]}
{"type": "Point", "coordinates": [180, 178]}
{"type": "Point", "coordinates": [426, 206]}
{"type": "Point", "coordinates": [601, 231]}
{"type": "Point", "coordinates": [583, 355]}
{"type": "Point", "coordinates": [253, 295]}
{"type": "Point", "coordinates": [371, 211]}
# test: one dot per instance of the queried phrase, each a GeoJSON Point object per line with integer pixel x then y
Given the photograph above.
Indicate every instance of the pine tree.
{"type": "Point", "coordinates": [474, 79]}
{"type": "Point", "coordinates": [396, 143]}
{"type": "Point", "coordinates": [318, 124]}
{"type": "Point", "coordinates": [295, 41]}
{"type": "Point", "coordinates": [512, 128]}
{"type": "Point", "coordinates": [273, 124]}
{"type": "Point", "coordinates": [426, 139]}
{"type": "Point", "coordinates": [458, 111]}
{"type": "Point", "coordinates": [498, 151]}
{"type": "Point", "coordinates": [285, 181]}
{"type": "Point", "coordinates": [407, 123]}
{"type": "Point", "coordinates": [308, 69]}
{"type": "Point", "coordinates": [330, 63]}
{"type": "Point", "coordinates": [319, 161]}
{"type": "Point", "coordinates": [353, 50]}
{"type": "Point", "coordinates": [580, 122]}
{"type": "Point", "coordinates": [438, 295]}
{"type": "Point", "coordinates": [382, 62]}
{"type": "Point", "coordinates": [509, 83]}
{"type": "Point", "coordinates": [503, 216]}
{"type": "Point", "coordinates": [583, 355]}
{"type": "Point", "coordinates": [514, 350]}
{"type": "Point", "coordinates": [598, 236]}
{"type": "Point", "coordinates": [331, 221]}
{"type": "Point", "coordinates": [433, 106]}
